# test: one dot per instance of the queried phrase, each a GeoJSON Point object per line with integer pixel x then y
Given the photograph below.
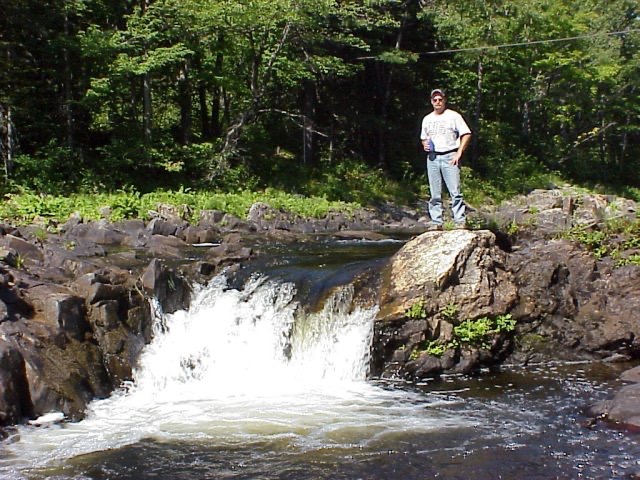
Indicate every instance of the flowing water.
{"type": "Point", "coordinates": [250, 384]}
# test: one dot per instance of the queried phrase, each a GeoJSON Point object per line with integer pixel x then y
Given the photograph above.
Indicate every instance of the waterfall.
{"type": "Point", "coordinates": [255, 341]}
{"type": "Point", "coordinates": [241, 366]}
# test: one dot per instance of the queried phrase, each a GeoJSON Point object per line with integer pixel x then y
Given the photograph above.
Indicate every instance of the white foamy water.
{"type": "Point", "coordinates": [239, 367]}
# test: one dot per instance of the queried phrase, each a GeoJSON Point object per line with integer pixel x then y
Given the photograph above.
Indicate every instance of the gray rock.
{"type": "Point", "coordinates": [438, 268]}
{"type": "Point", "coordinates": [166, 247]}
{"type": "Point", "coordinates": [101, 233]}
{"type": "Point", "coordinates": [61, 308]}
{"type": "Point", "coordinates": [158, 226]}
{"type": "Point", "coordinates": [210, 217]}
{"type": "Point", "coordinates": [623, 409]}
{"type": "Point", "coordinates": [15, 403]}
{"type": "Point", "coordinates": [26, 253]}
{"type": "Point", "coordinates": [632, 375]}
{"type": "Point", "coordinates": [578, 303]}
{"type": "Point", "coordinates": [434, 282]}
{"type": "Point", "coordinates": [172, 291]}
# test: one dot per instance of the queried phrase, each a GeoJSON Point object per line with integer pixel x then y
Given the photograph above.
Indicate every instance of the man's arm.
{"type": "Point", "coordinates": [464, 141]}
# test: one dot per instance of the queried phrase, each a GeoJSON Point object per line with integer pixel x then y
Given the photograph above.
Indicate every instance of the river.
{"type": "Point", "coordinates": [251, 384]}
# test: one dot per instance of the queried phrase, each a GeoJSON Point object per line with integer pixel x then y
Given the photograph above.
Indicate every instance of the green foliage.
{"type": "Point", "coordinates": [612, 238]}
{"type": "Point", "coordinates": [19, 262]}
{"type": "Point", "coordinates": [25, 207]}
{"type": "Point", "coordinates": [505, 323]}
{"type": "Point", "coordinates": [477, 333]}
{"type": "Point", "coordinates": [512, 227]}
{"type": "Point", "coordinates": [593, 240]}
{"type": "Point", "coordinates": [353, 181]}
{"type": "Point", "coordinates": [126, 204]}
{"type": "Point", "coordinates": [474, 332]}
{"type": "Point", "coordinates": [417, 310]}
{"type": "Point", "coordinates": [204, 94]}
{"type": "Point", "coordinates": [633, 259]}
{"type": "Point", "coordinates": [450, 311]}
{"type": "Point", "coordinates": [433, 348]}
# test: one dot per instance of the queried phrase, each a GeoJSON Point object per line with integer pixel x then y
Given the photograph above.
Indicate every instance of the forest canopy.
{"type": "Point", "coordinates": [98, 95]}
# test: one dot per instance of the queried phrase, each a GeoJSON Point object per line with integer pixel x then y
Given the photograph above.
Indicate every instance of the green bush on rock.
{"type": "Point", "coordinates": [477, 333]}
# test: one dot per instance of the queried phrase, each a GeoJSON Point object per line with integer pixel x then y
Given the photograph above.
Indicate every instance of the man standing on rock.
{"type": "Point", "coordinates": [444, 135]}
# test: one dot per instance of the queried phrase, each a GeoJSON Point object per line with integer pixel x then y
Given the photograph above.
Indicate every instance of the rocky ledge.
{"type": "Point", "coordinates": [460, 301]}
{"type": "Point", "coordinates": [76, 309]}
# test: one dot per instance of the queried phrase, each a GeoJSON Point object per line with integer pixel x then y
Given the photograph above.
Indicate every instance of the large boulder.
{"type": "Point", "coordinates": [100, 232]}
{"type": "Point", "coordinates": [166, 246]}
{"type": "Point", "coordinates": [440, 268]}
{"type": "Point", "coordinates": [60, 372]}
{"type": "Point", "coordinates": [434, 283]}
{"type": "Point", "coordinates": [572, 304]}
{"type": "Point", "coordinates": [15, 402]}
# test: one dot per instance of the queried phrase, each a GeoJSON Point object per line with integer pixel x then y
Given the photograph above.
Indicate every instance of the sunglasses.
{"type": "Point", "coordinates": [437, 100]}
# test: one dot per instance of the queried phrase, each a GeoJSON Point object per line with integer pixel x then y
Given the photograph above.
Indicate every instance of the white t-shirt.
{"type": "Point", "coordinates": [445, 130]}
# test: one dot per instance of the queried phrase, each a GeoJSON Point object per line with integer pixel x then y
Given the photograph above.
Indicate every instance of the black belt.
{"type": "Point", "coordinates": [444, 153]}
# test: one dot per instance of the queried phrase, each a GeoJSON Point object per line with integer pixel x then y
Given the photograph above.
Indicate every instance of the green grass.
{"type": "Point", "coordinates": [610, 239]}
{"type": "Point", "coordinates": [26, 207]}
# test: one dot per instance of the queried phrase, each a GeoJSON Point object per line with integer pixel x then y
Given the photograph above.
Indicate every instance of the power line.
{"type": "Point", "coordinates": [532, 42]}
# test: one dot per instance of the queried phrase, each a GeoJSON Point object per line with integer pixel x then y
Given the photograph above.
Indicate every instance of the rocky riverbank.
{"type": "Point", "coordinates": [75, 310]}
{"type": "Point", "coordinates": [460, 301]}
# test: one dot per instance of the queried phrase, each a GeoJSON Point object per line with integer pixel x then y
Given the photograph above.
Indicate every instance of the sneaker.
{"type": "Point", "coordinates": [434, 226]}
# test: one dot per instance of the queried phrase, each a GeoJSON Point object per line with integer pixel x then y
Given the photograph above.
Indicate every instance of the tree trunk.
{"type": "Point", "coordinates": [147, 113]}
{"type": "Point", "coordinates": [8, 141]}
{"type": "Point", "coordinates": [307, 132]}
{"type": "Point", "coordinates": [386, 94]}
{"type": "Point", "coordinates": [68, 88]}
{"type": "Point", "coordinates": [184, 96]}
{"type": "Point", "coordinates": [476, 116]}
{"type": "Point", "coordinates": [204, 112]}
{"type": "Point", "coordinates": [218, 98]}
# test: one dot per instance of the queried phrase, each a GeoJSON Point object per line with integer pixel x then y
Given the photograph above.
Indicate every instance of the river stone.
{"type": "Point", "coordinates": [459, 267]}
{"type": "Point", "coordinates": [74, 219]}
{"type": "Point", "coordinates": [101, 232]}
{"type": "Point", "coordinates": [622, 409]}
{"type": "Point", "coordinates": [14, 392]}
{"type": "Point", "coordinates": [198, 235]}
{"type": "Point", "coordinates": [158, 226]}
{"type": "Point", "coordinates": [170, 289]}
{"type": "Point", "coordinates": [232, 223]}
{"type": "Point", "coordinates": [210, 217]}
{"type": "Point", "coordinates": [167, 247]}
{"type": "Point", "coordinates": [581, 304]}
{"type": "Point", "coordinates": [136, 234]}
{"type": "Point", "coordinates": [4, 311]}
{"type": "Point", "coordinates": [632, 375]}
{"type": "Point", "coordinates": [226, 253]}
{"type": "Point", "coordinates": [60, 308]}
{"type": "Point", "coordinates": [25, 251]}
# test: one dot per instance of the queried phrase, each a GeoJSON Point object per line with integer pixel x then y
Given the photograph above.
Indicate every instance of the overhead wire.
{"type": "Point", "coordinates": [531, 42]}
{"type": "Point", "coordinates": [521, 44]}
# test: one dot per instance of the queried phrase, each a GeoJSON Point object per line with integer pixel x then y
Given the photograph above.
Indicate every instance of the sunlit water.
{"type": "Point", "coordinates": [247, 384]}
